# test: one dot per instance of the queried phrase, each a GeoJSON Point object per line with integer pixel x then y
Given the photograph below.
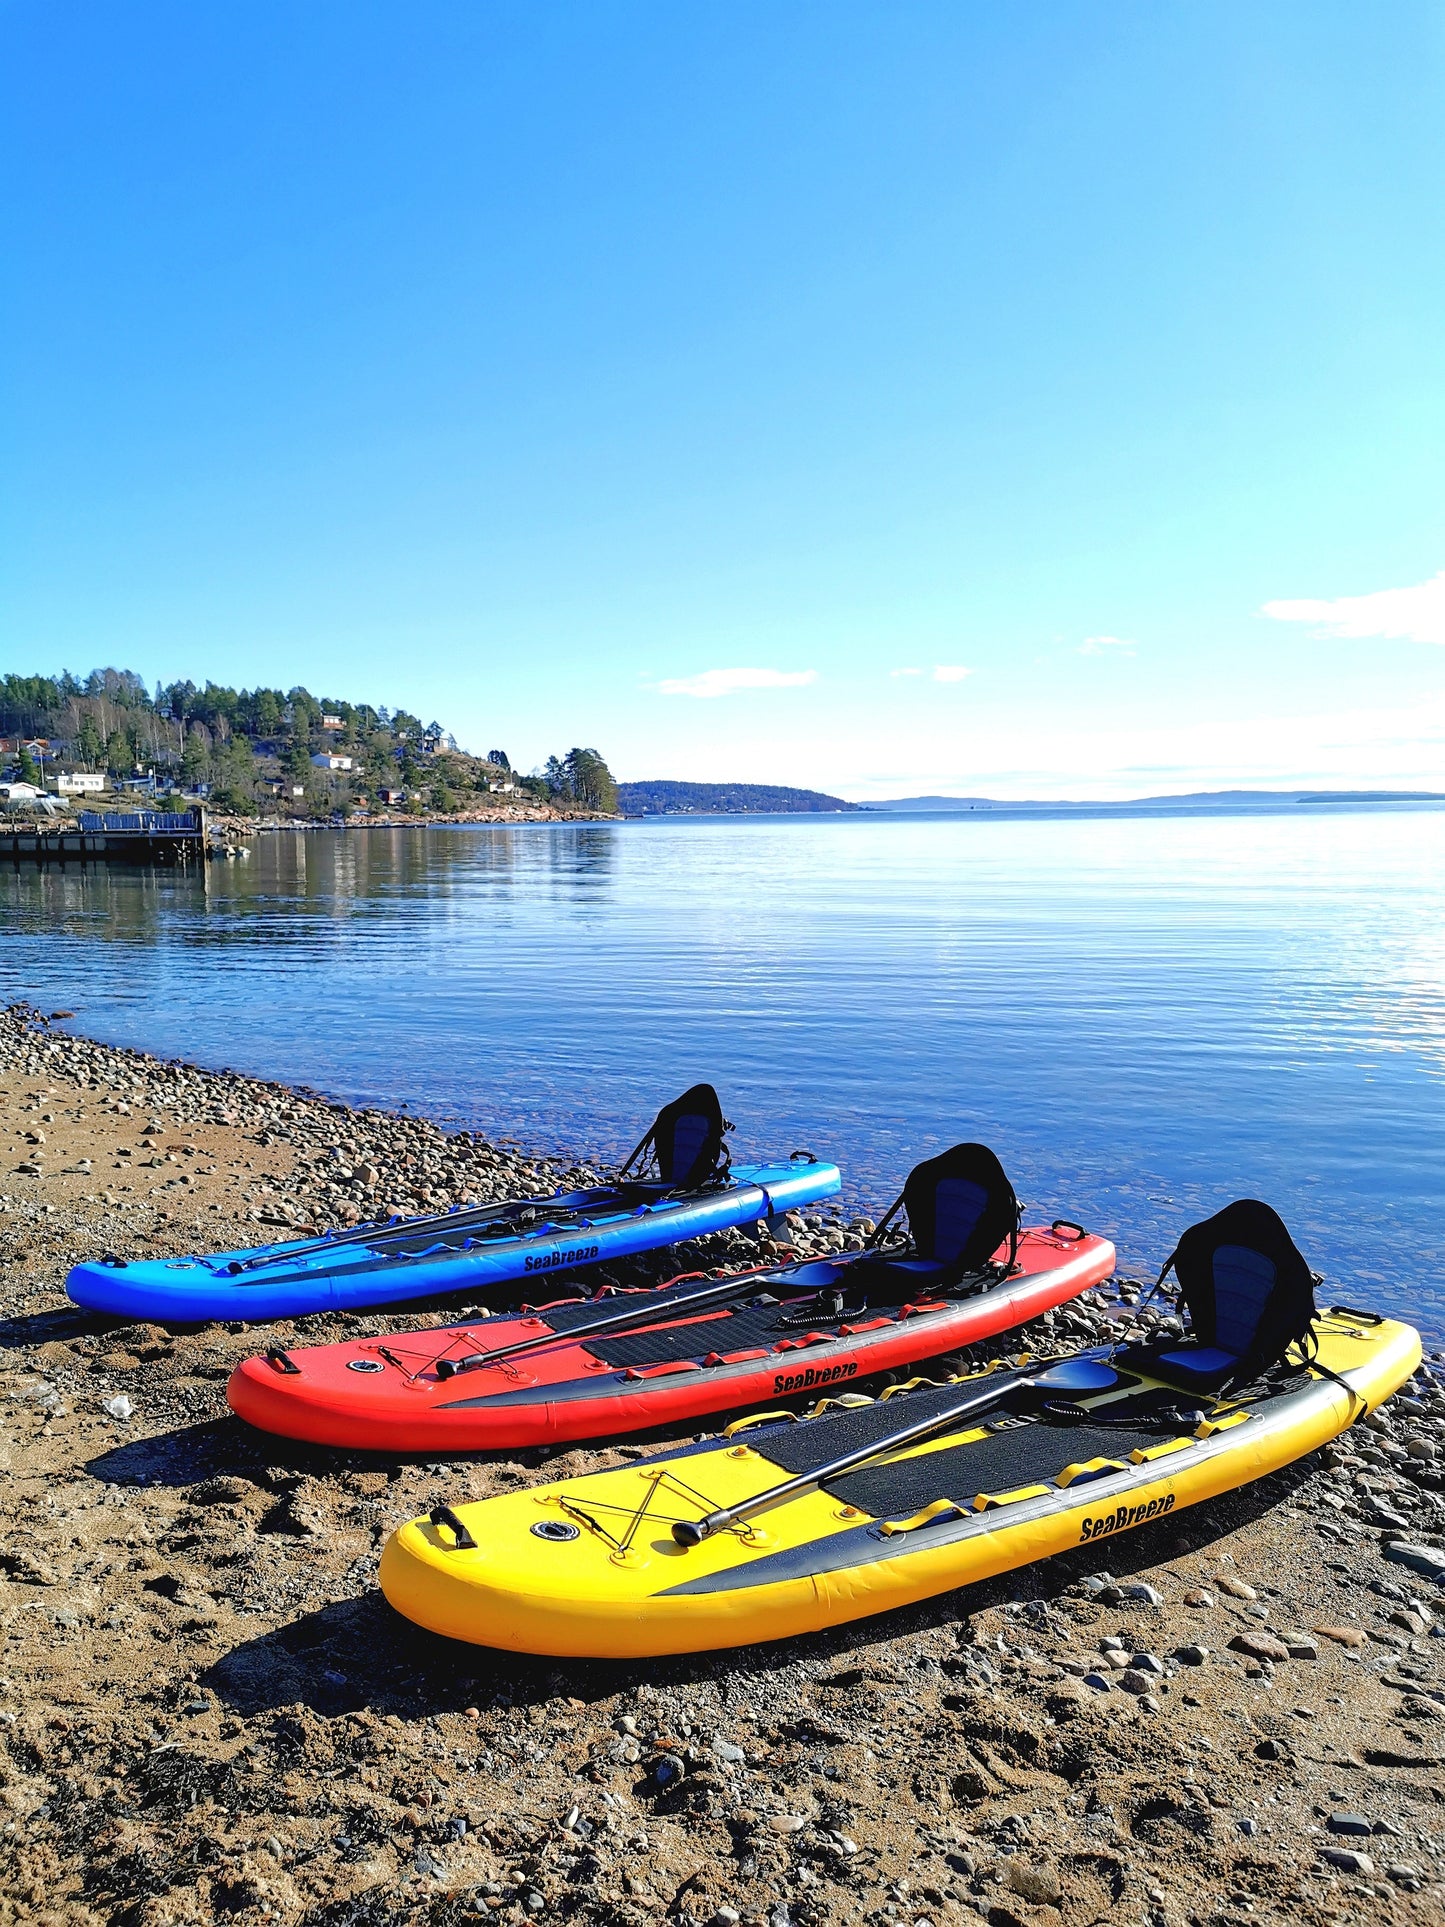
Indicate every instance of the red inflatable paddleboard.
{"type": "Point", "coordinates": [629, 1361]}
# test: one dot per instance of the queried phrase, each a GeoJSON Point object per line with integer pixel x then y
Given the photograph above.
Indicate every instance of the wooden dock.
{"type": "Point", "coordinates": [107, 836]}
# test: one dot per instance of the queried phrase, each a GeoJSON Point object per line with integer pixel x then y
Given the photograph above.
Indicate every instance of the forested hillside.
{"type": "Point", "coordinates": [722, 799]}
{"type": "Point", "coordinates": [247, 747]}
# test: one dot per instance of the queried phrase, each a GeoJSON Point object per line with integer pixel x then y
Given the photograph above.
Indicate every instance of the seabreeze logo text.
{"type": "Point", "coordinates": [805, 1381]}
{"type": "Point", "coordinates": [549, 1260]}
{"type": "Point", "coordinates": [1127, 1515]}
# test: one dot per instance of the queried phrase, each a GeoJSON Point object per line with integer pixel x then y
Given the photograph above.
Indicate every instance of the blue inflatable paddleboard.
{"type": "Point", "coordinates": [462, 1250]}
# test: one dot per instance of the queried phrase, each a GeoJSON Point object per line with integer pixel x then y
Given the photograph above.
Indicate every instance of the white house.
{"type": "Point", "coordinates": [80, 782]}
{"type": "Point", "coordinates": [331, 722]}
{"type": "Point", "coordinates": [20, 792]}
{"type": "Point", "coordinates": [328, 759]}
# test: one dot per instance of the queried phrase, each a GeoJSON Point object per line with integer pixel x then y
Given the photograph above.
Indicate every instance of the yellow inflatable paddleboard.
{"type": "Point", "coordinates": [693, 1550]}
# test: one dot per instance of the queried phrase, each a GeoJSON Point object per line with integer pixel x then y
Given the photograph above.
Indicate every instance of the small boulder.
{"type": "Point", "coordinates": [1260, 1646]}
{"type": "Point", "coordinates": [1352, 1636]}
{"type": "Point", "coordinates": [1147, 1595]}
{"type": "Point", "coordinates": [1347, 1860]}
{"type": "Point", "coordinates": [1411, 1622]}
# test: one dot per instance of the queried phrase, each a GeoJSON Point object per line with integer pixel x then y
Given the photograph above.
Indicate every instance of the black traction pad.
{"type": "Point", "coordinates": [1018, 1455]}
{"type": "Point", "coordinates": [743, 1330]}
{"type": "Point", "coordinates": [661, 1302]}
{"type": "Point", "coordinates": [817, 1442]}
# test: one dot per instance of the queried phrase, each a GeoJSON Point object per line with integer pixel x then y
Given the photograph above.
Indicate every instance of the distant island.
{"type": "Point", "coordinates": [1194, 799]}
{"type": "Point", "coordinates": [724, 799]}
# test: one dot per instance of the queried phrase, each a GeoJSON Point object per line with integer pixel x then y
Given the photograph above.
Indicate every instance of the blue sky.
{"type": "Point", "coordinates": [963, 398]}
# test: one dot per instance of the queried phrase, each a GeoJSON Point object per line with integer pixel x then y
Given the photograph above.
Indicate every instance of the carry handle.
{"type": "Point", "coordinates": [442, 1515]}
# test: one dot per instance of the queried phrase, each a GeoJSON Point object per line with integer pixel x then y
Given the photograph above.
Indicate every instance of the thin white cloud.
{"type": "Point", "coordinates": [1106, 645]}
{"type": "Point", "coordinates": [1411, 615]}
{"type": "Point", "coordinates": [905, 672]}
{"type": "Point", "coordinates": [727, 682]}
{"type": "Point", "coordinates": [950, 672]}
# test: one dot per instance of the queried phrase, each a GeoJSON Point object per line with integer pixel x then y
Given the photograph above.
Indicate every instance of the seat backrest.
{"type": "Point", "coordinates": [961, 1208]}
{"type": "Point", "coordinates": [687, 1139]}
{"type": "Point", "coordinates": [1244, 1283]}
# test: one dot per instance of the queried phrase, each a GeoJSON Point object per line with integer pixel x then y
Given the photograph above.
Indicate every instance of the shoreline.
{"type": "Point", "coordinates": [505, 815]}
{"type": "Point", "coordinates": [208, 1714]}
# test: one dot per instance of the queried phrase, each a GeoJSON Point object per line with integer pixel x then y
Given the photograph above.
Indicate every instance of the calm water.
{"type": "Point", "coordinates": [1146, 1016]}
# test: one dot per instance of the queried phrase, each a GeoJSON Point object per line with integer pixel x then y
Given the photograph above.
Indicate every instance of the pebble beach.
{"type": "Point", "coordinates": [208, 1713]}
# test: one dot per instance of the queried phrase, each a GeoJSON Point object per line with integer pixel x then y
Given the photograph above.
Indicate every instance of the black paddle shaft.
{"type": "Point", "coordinates": [717, 1292]}
{"type": "Point", "coordinates": [688, 1532]}
{"type": "Point", "coordinates": [403, 1230]}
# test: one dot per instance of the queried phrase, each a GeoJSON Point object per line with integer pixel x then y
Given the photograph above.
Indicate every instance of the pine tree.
{"type": "Point", "coordinates": [589, 781]}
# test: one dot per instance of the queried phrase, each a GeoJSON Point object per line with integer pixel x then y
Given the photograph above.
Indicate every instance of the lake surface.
{"type": "Point", "coordinates": [1146, 1015]}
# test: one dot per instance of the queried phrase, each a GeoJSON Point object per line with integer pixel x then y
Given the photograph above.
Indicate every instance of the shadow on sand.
{"type": "Point", "coordinates": [359, 1653]}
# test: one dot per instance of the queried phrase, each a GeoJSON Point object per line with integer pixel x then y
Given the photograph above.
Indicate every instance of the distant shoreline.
{"type": "Point", "coordinates": [640, 801]}
{"type": "Point", "coordinates": [1187, 800]}
{"type": "Point", "coordinates": [1224, 803]}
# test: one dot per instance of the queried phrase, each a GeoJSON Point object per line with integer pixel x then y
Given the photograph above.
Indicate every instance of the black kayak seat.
{"type": "Point", "coordinates": [961, 1208]}
{"type": "Point", "coordinates": [686, 1140]}
{"type": "Point", "coordinates": [1248, 1293]}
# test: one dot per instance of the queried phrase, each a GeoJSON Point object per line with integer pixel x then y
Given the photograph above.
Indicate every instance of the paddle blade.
{"type": "Point", "coordinates": [1078, 1375]}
